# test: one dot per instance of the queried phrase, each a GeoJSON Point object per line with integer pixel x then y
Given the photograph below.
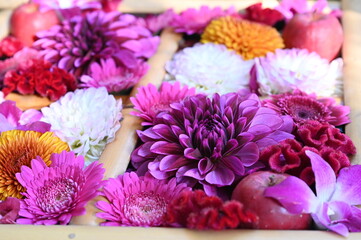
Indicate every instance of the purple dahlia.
{"type": "Point", "coordinates": [97, 35]}
{"type": "Point", "coordinates": [211, 141]}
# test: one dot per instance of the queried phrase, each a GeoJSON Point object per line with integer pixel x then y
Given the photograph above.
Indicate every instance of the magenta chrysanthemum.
{"type": "Point", "coordinates": [114, 78]}
{"type": "Point", "coordinates": [149, 101]}
{"type": "Point", "coordinates": [82, 40]}
{"type": "Point", "coordinates": [303, 107]}
{"type": "Point", "coordinates": [210, 141]}
{"type": "Point", "coordinates": [193, 20]}
{"type": "Point", "coordinates": [137, 201]}
{"type": "Point", "coordinates": [56, 193]}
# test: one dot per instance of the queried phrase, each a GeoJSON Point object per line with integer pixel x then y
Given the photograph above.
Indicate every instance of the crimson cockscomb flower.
{"type": "Point", "coordinates": [210, 141]}
{"type": "Point", "coordinates": [137, 201]}
{"type": "Point", "coordinates": [196, 210]}
{"type": "Point", "coordinates": [266, 16]}
{"type": "Point", "coordinates": [56, 193]}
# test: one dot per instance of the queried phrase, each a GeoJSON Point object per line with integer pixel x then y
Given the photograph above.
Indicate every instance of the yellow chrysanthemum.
{"type": "Point", "coordinates": [18, 148]}
{"type": "Point", "coordinates": [249, 39]}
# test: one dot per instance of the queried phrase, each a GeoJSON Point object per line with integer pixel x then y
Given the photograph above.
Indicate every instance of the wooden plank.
{"type": "Point", "coordinates": [352, 74]}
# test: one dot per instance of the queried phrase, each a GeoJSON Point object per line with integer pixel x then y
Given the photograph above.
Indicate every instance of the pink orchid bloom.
{"type": "Point", "coordinates": [289, 7]}
{"type": "Point", "coordinates": [334, 205]}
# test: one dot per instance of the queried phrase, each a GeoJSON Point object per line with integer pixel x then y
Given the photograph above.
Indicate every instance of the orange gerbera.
{"type": "Point", "coordinates": [249, 39]}
{"type": "Point", "coordinates": [18, 148]}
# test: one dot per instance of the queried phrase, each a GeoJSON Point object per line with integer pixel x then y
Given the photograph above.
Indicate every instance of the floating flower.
{"type": "Point", "coordinates": [210, 141]}
{"type": "Point", "coordinates": [289, 156]}
{"type": "Point", "coordinates": [86, 119]}
{"type": "Point", "coordinates": [196, 210]}
{"type": "Point", "coordinates": [114, 78]}
{"type": "Point", "coordinates": [9, 46]}
{"type": "Point", "coordinates": [18, 148]}
{"type": "Point", "coordinates": [266, 16]}
{"type": "Point", "coordinates": [11, 117]}
{"type": "Point", "coordinates": [38, 76]}
{"type": "Point", "coordinates": [334, 205]}
{"type": "Point", "coordinates": [193, 20]}
{"type": "Point", "coordinates": [137, 201]}
{"type": "Point", "coordinates": [9, 210]}
{"type": "Point", "coordinates": [106, 5]}
{"type": "Point", "coordinates": [290, 69]}
{"type": "Point", "coordinates": [319, 135]}
{"type": "Point", "coordinates": [82, 40]}
{"type": "Point", "coordinates": [56, 193]}
{"type": "Point", "coordinates": [303, 107]}
{"type": "Point", "coordinates": [249, 39]}
{"type": "Point", "coordinates": [149, 101]}
{"type": "Point", "coordinates": [210, 68]}
{"type": "Point", "coordinates": [290, 7]}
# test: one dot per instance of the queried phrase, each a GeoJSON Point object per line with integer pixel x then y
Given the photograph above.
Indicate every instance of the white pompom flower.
{"type": "Point", "coordinates": [210, 68]}
{"type": "Point", "coordinates": [86, 119]}
{"type": "Point", "coordinates": [288, 69]}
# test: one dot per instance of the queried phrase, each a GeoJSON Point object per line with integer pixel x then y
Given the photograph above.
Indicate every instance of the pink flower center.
{"type": "Point", "coordinates": [303, 108]}
{"type": "Point", "coordinates": [56, 194]}
{"type": "Point", "coordinates": [145, 209]}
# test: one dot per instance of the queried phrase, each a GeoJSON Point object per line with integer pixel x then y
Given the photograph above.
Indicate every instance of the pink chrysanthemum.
{"type": "Point", "coordinates": [84, 39]}
{"type": "Point", "coordinates": [209, 141]}
{"type": "Point", "coordinates": [56, 193]}
{"type": "Point", "coordinates": [155, 23]}
{"type": "Point", "coordinates": [114, 78]}
{"type": "Point", "coordinates": [137, 201]}
{"type": "Point", "coordinates": [194, 20]}
{"type": "Point", "coordinates": [149, 101]}
{"type": "Point", "coordinates": [303, 107]}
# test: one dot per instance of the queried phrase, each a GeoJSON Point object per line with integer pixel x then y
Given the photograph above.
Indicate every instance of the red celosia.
{"type": "Point", "coordinates": [38, 76]}
{"type": "Point", "coordinates": [319, 135]}
{"type": "Point", "coordinates": [289, 157]}
{"type": "Point", "coordinates": [196, 210]}
{"type": "Point", "coordinates": [9, 46]}
{"type": "Point", "coordinates": [267, 16]}
{"type": "Point", "coordinates": [9, 210]}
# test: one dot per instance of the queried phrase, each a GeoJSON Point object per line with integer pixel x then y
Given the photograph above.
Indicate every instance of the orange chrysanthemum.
{"type": "Point", "coordinates": [249, 39]}
{"type": "Point", "coordinates": [18, 148]}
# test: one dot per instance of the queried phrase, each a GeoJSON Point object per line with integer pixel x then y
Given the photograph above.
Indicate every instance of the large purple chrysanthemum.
{"type": "Point", "coordinates": [211, 141]}
{"type": "Point", "coordinates": [97, 35]}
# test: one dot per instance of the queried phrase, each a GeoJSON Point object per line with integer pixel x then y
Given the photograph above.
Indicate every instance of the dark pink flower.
{"type": "Point", "coordinates": [95, 36]}
{"type": "Point", "coordinates": [193, 20]}
{"type": "Point", "coordinates": [9, 46]}
{"type": "Point", "coordinates": [303, 107]}
{"type": "Point", "coordinates": [149, 101]}
{"type": "Point", "coordinates": [137, 201]}
{"type": "Point", "coordinates": [56, 193]}
{"type": "Point", "coordinates": [196, 210]}
{"type": "Point", "coordinates": [9, 210]}
{"type": "Point", "coordinates": [156, 23]}
{"type": "Point", "coordinates": [267, 16]}
{"type": "Point", "coordinates": [11, 117]}
{"type": "Point", "coordinates": [210, 141]}
{"type": "Point", "coordinates": [320, 135]}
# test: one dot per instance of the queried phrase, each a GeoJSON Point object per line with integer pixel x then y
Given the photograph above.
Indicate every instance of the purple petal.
{"type": "Point", "coordinates": [220, 176]}
{"type": "Point", "coordinates": [249, 154]}
{"type": "Point", "coordinates": [165, 148]}
{"type": "Point", "coordinates": [205, 165]}
{"type": "Point", "coordinates": [347, 189]}
{"type": "Point", "coordinates": [9, 110]}
{"type": "Point", "coordinates": [235, 164]}
{"type": "Point", "coordinates": [155, 171]}
{"type": "Point", "coordinates": [324, 176]}
{"type": "Point", "coordinates": [294, 195]}
{"type": "Point", "coordinates": [172, 162]}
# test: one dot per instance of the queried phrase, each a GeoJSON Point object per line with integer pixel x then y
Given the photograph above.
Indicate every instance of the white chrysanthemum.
{"type": "Point", "coordinates": [86, 119]}
{"type": "Point", "coordinates": [290, 69]}
{"type": "Point", "coordinates": [210, 68]}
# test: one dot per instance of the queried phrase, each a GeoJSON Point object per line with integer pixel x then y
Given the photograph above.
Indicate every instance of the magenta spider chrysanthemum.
{"type": "Point", "coordinates": [149, 101]}
{"type": "Point", "coordinates": [56, 193]}
{"type": "Point", "coordinates": [211, 141]}
{"type": "Point", "coordinates": [137, 201]}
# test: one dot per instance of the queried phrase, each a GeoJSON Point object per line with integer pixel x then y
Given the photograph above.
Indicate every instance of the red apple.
{"type": "Point", "coordinates": [271, 214]}
{"type": "Point", "coordinates": [316, 32]}
{"type": "Point", "coordinates": [26, 20]}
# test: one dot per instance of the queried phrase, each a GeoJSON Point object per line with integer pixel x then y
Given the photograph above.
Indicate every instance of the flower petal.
{"type": "Point", "coordinates": [220, 176]}
{"type": "Point", "coordinates": [294, 195]}
{"type": "Point", "coordinates": [347, 189]}
{"type": "Point", "coordinates": [324, 176]}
